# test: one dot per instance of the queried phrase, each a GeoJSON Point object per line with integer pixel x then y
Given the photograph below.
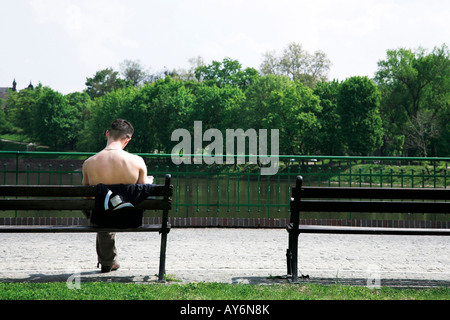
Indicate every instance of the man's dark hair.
{"type": "Point", "coordinates": [121, 129]}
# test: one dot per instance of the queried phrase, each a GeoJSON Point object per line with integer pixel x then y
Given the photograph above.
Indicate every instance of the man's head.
{"type": "Point", "coordinates": [120, 129]}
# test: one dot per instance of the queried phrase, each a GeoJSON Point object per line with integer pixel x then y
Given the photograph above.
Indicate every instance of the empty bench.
{"type": "Point", "coordinates": [352, 199]}
{"type": "Point", "coordinates": [69, 197]}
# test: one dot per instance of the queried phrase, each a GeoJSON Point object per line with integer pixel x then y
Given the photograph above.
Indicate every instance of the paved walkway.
{"type": "Point", "coordinates": [231, 256]}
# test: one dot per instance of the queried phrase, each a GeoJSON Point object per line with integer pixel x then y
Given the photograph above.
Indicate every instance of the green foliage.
{"type": "Point", "coordinates": [53, 119]}
{"type": "Point", "coordinates": [407, 111]}
{"type": "Point", "coordinates": [276, 102]}
{"type": "Point", "coordinates": [20, 107]}
{"type": "Point", "coordinates": [82, 106]}
{"type": "Point", "coordinates": [416, 95]}
{"type": "Point", "coordinates": [257, 102]}
{"type": "Point", "coordinates": [294, 111]}
{"type": "Point", "coordinates": [329, 140]}
{"type": "Point", "coordinates": [358, 106]}
{"type": "Point", "coordinates": [217, 107]}
{"type": "Point", "coordinates": [46, 116]}
{"type": "Point", "coordinates": [156, 111]}
{"type": "Point", "coordinates": [104, 81]}
{"type": "Point", "coordinates": [104, 111]}
{"type": "Point", "coordinates": [5, 125]}
{"type": "Point", "coordinates": [226, 72]}
{"type": "Point", "coordinates": [297, 64]}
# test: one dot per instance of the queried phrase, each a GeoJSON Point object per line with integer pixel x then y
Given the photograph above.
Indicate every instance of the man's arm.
{"type": "Point", "coordinates": [85, 179]}
{"type": "Point", "coordinates": [143, 179]}
{"type": "Point", "coordinates": [85, 182]}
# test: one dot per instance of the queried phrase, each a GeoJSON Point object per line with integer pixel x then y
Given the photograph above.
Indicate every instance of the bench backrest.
{"type": "Point", "coordinates": [353, 199]}
{"type": "Point", "coordinates": [68, 197]}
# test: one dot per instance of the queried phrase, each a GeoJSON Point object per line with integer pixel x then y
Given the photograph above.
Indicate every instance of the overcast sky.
{"type": "Point", "coordinates": [60, 43]}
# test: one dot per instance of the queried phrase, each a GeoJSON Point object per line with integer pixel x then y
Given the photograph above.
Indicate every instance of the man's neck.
{"type": "Point", "coordinates": [114, 145]}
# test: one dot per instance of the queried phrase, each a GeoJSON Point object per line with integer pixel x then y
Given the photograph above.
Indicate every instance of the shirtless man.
{"type": "Point", "coordinates": [113, 165]}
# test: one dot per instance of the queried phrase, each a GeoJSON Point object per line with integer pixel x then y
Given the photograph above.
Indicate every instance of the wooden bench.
{"type": "Point", "coordinates": [68, 197]}
{"type": "Point", "coordinates": [351, 199]}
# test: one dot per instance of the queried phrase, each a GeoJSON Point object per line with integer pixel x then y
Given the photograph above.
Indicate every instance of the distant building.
{"type": "Point", "coordinates": [3, 96]}
{"type": "Point", "coordinates": [4, 92]}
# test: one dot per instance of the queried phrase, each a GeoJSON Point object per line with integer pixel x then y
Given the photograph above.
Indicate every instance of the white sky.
{"type": "Point", "coordinates": [60, 43]}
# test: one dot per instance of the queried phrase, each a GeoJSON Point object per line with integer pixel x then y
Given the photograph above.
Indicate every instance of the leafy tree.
{"type": "Point", "coordinates": [226, 72]}
{"type": "Point", "coordinates": [81, 104]}
{"type": "Point", "coordinates": [443, 142]}
{"type": "Point", "coordinates": [156, 111]}
{"type": "Point", "coordinates": [358, 107]}
{"type": "Point", "coordinates": [217, 107]}
{"type": "Point", "coordinates": [105, 81]}
{"type": "Point", "coordinates": [20, 106]}
{"type": "Point", "coordinates": [297, 64]}
{"type": "Point", "coordinates": [414, 83]}
{"type": "Point", "coordinates": [329, 138]}
{"type": "Point", "coordinates": [5, 125]}
{"type": "Point", "coordinates": [421, 130]}
{"type": "Point", "coordinates": [412, 72]}
{"type": "Point", "coordinates": [194, 62]}
{"type": "Point", "coordinates": [257, 99]}
{"type": "Point", "coordinates": [104, 111]}
{"type": "Point", "coordinates": [276, 102]}
{"type": "Point", "coordinates": [293, 110]}
{"type": "Point", "coordinates": [54, 119]}
{"type": "Point", "coordinates": [181, 74]}
{"type": "Point", "coordinates": [134, 72]}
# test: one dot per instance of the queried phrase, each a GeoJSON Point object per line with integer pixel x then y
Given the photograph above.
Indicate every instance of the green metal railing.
{"type": "Point", "coordinates": [237, 190]}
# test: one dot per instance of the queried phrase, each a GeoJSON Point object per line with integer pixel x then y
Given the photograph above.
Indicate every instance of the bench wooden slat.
{"type": "Point", "coordinates": [77, 229]}
{"type": "Point", "coordinates": [371, 230]}
{"type": "Point", "coordinates": [68, 204]}
{"type": "Point", "coordinates": [374, 206]}
{"type": "Point", "coordinates": [60, 191]}
{"type": "Point", "coordinates": [376, 193]}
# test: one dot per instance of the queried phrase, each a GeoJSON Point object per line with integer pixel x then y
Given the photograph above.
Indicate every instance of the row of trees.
{"type": "Point", "coordinates": [404, 110]}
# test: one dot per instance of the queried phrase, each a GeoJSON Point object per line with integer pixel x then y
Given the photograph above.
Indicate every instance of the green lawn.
{"type": "Point", "coordinates": [211, 291]}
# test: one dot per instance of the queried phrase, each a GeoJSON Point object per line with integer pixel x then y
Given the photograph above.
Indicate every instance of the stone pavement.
{"type": "Point", "coordinates": [230, 256]}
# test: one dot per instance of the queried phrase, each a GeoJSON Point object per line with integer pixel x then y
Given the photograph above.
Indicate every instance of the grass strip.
{"type": "Point", "coordinates": [212, 291]}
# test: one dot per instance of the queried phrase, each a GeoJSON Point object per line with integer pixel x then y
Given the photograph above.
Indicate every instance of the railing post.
{"type": "Point", "coordinates": [17, 167]}
{"type": "Point", "coordinates": [292, 252]}
{"type": "Point", "coordinates": [164, 223]}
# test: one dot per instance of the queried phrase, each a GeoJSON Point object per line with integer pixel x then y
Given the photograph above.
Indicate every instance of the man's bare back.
{"type": "Point", "coordinates": [114, 166]}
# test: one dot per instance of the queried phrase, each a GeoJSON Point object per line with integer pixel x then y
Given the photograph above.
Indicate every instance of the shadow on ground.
{"type": "Point", "coordinates": [96, 276]}
{"type": "Point", "coordinates": [411, 283]}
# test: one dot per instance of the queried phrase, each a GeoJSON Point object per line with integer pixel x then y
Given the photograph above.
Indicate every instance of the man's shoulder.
{"type": "Point", "coordinates": [91, 158]}
{"type": "Point", "coordinates": [125, 155]}
{"type": "Point", "coordinates": [87, 161]}
{"type": "Point", "coordinates": [135, 157]}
